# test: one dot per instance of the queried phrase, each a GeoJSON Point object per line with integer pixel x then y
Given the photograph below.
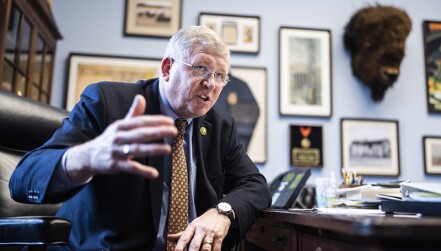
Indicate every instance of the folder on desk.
{"type": "Point", "coordinates": [418, 198]}
{"type": "Point", "coordinates": [430, 192]}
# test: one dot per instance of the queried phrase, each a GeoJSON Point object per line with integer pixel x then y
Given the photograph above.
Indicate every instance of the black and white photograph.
{"type": "Point", "coordinates": [432, 154]}
{"type": "Point", "coordinates": [370, 147]}
{"type": "Point", "coordinates": [152, 18]}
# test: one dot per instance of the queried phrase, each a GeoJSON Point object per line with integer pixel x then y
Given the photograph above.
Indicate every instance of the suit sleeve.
{"type": "Point", "coordinates": [31, 180]}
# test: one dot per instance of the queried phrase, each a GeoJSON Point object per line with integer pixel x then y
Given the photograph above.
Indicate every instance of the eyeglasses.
{"type": "Point", "coordinates": [202, 71]}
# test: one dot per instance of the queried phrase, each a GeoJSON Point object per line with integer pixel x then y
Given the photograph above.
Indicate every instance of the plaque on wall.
{"type": "Point", "coordinates": [306, 146]}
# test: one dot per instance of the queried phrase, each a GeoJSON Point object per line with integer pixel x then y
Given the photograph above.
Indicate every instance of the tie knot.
{"type": "Point", "coordinates": [181, 124]}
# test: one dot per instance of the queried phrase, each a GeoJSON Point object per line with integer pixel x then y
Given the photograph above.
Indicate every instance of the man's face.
{"type": "Point", "coordinates": [191, 96]}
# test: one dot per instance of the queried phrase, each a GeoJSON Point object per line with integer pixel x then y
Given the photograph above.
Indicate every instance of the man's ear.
{"type": "Point", "coordinates": [166, 65]}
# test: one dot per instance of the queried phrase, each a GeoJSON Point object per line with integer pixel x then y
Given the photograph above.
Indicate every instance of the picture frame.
{"type": "Point", "coordinates": [306, 146]}
{"type": "Point", "coordinates": [84, 69]}
{"type": "Point", "coordinates": [432, 154]}
{"type": "Point", "coordinates": [241, 33]}
{"type": "Point", "coordinates": [305, 74]}
{"type": "Point", "coordinates": [152, 18]}
{"type": "Point", "coordinates": [432, 63]}
{"type": "Point", "coordinates": [245, 97]}
{"type": "Point", "coordinates": [370, 146]}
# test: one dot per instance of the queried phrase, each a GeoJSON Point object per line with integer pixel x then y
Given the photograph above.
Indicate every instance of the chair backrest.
{"type": "Point", "coordinates": [24, 125]}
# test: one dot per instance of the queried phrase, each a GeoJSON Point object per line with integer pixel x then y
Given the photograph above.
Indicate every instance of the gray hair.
{"type": "Point", "coordinates": [183, 43]}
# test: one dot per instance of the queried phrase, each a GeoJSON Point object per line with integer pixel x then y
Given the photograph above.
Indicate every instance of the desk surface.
{"type": "Point", "coordinates": [378, 226]}
{"type": "Point", "coordinates": [298, 230]}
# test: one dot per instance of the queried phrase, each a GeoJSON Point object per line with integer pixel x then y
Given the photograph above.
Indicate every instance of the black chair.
{"type": "Point", "coordinates": [24, 125]}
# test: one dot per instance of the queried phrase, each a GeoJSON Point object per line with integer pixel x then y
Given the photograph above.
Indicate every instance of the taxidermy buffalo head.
{"type": "Point", "coordinates": [375, 37]}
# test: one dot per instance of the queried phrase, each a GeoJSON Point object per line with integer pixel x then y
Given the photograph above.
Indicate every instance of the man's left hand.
{"type": "Point", "coordinates": [206, 232]}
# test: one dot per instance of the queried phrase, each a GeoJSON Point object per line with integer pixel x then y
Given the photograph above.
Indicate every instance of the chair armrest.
{"type": "Point", "coordinates": [34, 230]}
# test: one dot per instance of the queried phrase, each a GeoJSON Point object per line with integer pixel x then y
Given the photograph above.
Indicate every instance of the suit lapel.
{"type": "Point", "coordinates": [202, 133]}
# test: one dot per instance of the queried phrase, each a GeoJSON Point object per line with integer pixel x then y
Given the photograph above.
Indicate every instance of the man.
{"type": "Point", "coordinates": [110, 165]}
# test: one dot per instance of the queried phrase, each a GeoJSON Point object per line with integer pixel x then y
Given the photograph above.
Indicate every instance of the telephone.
{"type": "Point", "coordinates": [286, 187]}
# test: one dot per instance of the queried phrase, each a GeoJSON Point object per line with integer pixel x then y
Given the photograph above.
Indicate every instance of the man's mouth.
{"type": "Point", "coordinates": [205, 98]}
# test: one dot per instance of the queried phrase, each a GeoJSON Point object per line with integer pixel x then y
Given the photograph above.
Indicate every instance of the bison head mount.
{"type": "Point", "coordinates": [375, 37]}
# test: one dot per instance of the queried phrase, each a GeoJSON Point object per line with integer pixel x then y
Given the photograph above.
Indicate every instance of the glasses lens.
{"type": "Point", "coordinates": [200, 71]}
{"type": "Point", "coordinates": [220, 78]}
{"type": "Point", "coordinates": [205, 72]}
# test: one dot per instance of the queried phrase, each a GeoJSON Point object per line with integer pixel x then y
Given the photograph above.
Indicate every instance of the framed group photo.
{"type": "Point", "coordinates": [432, 154]}
{"type": "Point", "coordinates": [305, 72]}
{"type": "Point", "coordinates": [85, 69]}
{"type": "Point", "coordinates": [240, 33]}
{"type": "Point", "coordinates": [244, 97]}
{"type": "Point", "coordinates": [370, 147]}
{"type": "Point", "coordinates": [152, 18]}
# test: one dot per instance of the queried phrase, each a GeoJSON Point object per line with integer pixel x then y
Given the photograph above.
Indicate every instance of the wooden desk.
{"type": "Point", "coordinates": [309, 230]}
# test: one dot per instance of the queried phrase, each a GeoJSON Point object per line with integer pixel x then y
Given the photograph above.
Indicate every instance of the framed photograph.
{"type": "Point", "coordinates": [152, 18]}
{"type": "Point", "coordinates": [245, 98]}
{"type": "Point", "coordinates": [85, 69]}
{"type": "Point", "coordinates": [305, 72]}
{"type": "Point", "coordinates": [306, 146]}
{"type": "Point", "coordinates": [432, 154]}
{"type": "Point", "coordinates": [432, 56]}
{"type": "Point", "coordinates": [240, 33]}
{"type": "Point", "coordinates": [370, 147]}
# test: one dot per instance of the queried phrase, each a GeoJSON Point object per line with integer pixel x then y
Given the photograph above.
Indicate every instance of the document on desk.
{"type": "Point", "coordinates": [349, 211]}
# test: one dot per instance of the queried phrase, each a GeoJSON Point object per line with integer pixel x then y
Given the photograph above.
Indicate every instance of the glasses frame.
{"type": "Point", "coordinates": [223, 83]}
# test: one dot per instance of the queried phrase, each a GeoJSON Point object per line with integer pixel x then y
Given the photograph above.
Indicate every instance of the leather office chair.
{"type": "Point", "coordinates": [24, 125]}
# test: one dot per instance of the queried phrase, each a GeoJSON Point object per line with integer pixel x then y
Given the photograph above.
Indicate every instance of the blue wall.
{"type": "Point", "coordinates": [96, 26]}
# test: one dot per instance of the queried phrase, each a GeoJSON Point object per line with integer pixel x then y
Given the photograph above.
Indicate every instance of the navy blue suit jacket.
{"type": "Point", "coordinates": [122, 211]}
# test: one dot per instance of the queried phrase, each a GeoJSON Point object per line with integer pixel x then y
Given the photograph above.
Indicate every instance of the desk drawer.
{"type": "Point", "coordinates": [270, 237]}
{"type": "Point", "coordinates": [318, 243]}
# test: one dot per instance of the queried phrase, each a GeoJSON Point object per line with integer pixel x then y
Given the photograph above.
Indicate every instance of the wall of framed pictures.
{"type": "Point", "coordinates": [313, 32]}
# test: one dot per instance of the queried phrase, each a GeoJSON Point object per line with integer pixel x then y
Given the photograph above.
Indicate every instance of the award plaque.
{"type": "Point", "coordinates": [306, 146]}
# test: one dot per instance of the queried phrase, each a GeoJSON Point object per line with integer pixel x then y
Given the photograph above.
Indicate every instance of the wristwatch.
{"type": "Point", "coordinates": [225, 208]}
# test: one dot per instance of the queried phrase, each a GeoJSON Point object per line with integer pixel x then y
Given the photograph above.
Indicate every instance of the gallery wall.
{"type": "Point", "coordinates": [96, 26]}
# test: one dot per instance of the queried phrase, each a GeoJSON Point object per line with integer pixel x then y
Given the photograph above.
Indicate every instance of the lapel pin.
{"type": "Point", "coordinates": [203, 131]}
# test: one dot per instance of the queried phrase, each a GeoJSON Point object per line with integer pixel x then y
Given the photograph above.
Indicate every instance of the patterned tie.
{"type": "Point", "coordinates": [178, 203]}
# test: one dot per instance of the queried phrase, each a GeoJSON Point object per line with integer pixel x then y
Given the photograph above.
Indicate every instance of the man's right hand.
{"type": "Point", "coordinates": [113, 151]}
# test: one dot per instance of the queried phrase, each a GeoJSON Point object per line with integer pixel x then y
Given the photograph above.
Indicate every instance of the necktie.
{"type": "Point", "coordinates": [178, 202]}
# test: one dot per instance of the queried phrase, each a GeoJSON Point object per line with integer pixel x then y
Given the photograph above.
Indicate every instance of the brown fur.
{"type": "Point", "coordinates": [375, 37]}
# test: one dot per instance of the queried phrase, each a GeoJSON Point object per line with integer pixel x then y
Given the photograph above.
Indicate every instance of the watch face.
{"type": "Point", "coordinates": [225, 207]}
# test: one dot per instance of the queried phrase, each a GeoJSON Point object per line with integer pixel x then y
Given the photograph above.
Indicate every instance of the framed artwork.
{"type": "Point", "coordinates": [432, 154]}
{"type": "Point", "coordinates": [306, 146]}
{"type": "Point", "coordinates": [432, 56]}
{"type": "Point", "coordinates": [305, 72]}
{"type": "Point", "coordinates": [85, 69]}
{"type": "Point", "coordinates": [245, 98]}
{"type": "Point", "coordinates": [152, 18]}
{"type": "Point", "coordinates": [370, 147]}
{"type": "Point", "coordinates": [240, 33]}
